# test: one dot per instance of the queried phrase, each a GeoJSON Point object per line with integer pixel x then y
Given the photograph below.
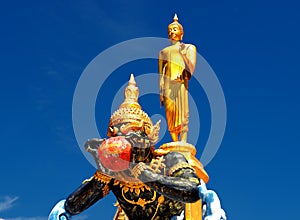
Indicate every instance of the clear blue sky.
{"type": "Point", "coordinates": [253, 47]}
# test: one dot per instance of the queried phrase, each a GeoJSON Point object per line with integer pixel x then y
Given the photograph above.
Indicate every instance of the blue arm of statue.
{"type": "Point", "coordinates": [211, 204]}
{"type": "Point", "coordinates": [59, 212]}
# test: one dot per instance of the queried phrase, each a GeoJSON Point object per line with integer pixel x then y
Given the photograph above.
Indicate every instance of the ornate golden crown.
{"type": "Point", "coordinates": [131, 116]}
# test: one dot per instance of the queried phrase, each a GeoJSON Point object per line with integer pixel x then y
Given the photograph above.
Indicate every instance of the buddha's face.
{"type": "Point", "coordinates": [174, 32]}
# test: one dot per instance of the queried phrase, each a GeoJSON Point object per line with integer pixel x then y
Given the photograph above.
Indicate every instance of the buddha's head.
{"type": "Point", "coordinates": [175, 30]}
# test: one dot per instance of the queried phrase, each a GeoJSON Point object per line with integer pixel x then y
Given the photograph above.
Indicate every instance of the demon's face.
{"type": "Point", "coordinates": [137, 137]}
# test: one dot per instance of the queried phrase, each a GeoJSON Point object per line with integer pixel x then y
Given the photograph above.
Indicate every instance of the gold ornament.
{"type": "Point", "coordinates": [101, 177]}
{"type": "Point", "coordinates": [137, 188]}
{"type": "Point", "coordinates": [132, 116]}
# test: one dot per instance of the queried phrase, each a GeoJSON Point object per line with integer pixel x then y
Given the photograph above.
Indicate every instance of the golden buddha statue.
{"type": "Point", "coordinates": [176, 65]}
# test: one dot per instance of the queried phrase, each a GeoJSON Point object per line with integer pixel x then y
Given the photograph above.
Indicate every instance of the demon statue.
{"type": "Point", "coordinates": [167, 183]}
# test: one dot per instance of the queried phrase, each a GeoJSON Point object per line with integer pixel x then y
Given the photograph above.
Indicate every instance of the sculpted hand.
{"type": "Point", "coordinates": [147, 173]}
{"type": "Point", "coordinates": [183, 49]}
{"type": "Point", "coordinates": [211, 204]}
{"type": "Point", "coordinates": [93, 144]}
{"type": "Point", "coordinates": [138, 169]}
{"type": "Point", "coordinates": [59, 212]}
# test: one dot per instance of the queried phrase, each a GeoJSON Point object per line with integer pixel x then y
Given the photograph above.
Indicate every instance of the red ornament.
{"type": "Point", "coordinates": [114, 153]}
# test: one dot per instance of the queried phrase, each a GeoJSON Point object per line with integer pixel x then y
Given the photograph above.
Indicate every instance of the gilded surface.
{"type": "Point", "coordinates": [101, 177]}
{"type": "Point", "coordinates": [176, 65]}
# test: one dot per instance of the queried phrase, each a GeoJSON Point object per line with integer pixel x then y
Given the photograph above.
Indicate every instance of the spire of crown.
{"type": "Point", "coordinates": [131, 95]}
{"type": "Point", "coordinates": [175, 19]}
